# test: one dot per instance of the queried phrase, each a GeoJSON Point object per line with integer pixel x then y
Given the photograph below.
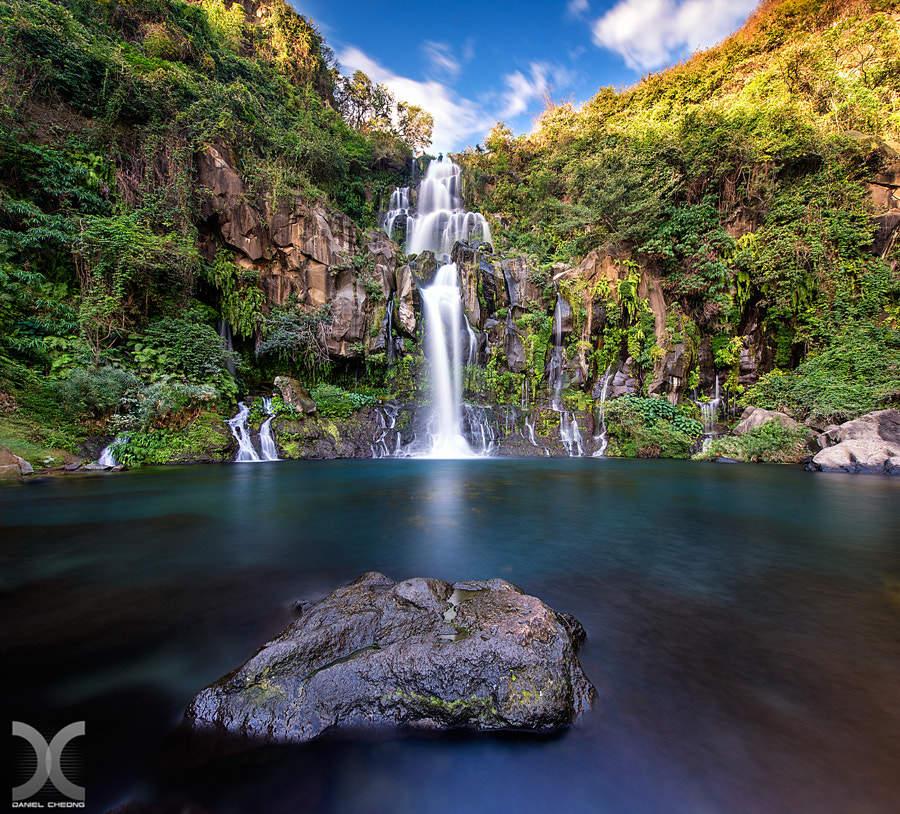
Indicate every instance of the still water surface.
{"type": "Point", "coordinates": [743, 628]}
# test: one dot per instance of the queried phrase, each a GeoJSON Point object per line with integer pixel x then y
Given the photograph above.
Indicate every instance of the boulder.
{"type": "Point", "coordinates": [870, 443]}
{"type": "Point", "coordinates": [295, 395]}
{"type": "Point", "coordinates": [12, 467]}
{"type": "Point", "coordinates": [754, 417]}
{"type": "Point", "coordinates": [419, 653]}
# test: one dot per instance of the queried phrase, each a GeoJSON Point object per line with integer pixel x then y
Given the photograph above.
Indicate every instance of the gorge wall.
{"type": "Point", "coordinates": [614, 316]}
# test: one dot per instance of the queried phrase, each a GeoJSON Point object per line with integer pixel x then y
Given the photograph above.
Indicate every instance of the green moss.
{"type": "Point", "coordinates": [471, 709]}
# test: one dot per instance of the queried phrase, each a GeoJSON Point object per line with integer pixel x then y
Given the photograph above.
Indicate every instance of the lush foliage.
{"type": "Point", "coordinates": [649, 428]}
{"type": "Point", "coordinates": [770, 442]}
{"type": "Point", "coordinates": [334, 402]}
{"type": "Point", "coordinates": [857, 373]}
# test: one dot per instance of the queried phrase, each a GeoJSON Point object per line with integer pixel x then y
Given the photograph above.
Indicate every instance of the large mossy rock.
{"type": "Point", "coordinates": [419, 653]}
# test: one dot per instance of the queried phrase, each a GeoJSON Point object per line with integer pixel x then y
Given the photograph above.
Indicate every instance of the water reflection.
{"type": "Point", "coordinates": [741, 620]}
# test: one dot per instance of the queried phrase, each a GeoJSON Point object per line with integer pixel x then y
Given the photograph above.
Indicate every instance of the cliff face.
{"type": "Point", "coordinates": [321, 257]}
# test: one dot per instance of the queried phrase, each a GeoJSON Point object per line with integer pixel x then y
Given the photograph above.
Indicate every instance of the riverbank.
{"type": "Point", "coordinates": [870, 443]}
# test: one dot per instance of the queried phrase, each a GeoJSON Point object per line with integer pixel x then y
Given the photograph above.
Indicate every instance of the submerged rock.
{"type": "Point", "coordinates": [419, 653]}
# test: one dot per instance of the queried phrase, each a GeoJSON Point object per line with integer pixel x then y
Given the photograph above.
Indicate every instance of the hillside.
{"type": "Point", "coordinates": [172, 173]}
{"type": "Point", "coordinates": [757, 184]}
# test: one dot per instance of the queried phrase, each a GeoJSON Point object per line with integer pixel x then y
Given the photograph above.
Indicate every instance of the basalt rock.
{"type": "Point", "coordinates": [295, 395]}
{"type": "Point", "coordinates": [870, 443]}
{"type": "Point", "coordinates": [418, 653]}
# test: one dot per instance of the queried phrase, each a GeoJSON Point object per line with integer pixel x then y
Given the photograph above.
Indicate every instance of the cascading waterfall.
{"type": "Point", "coordinates": [709, 411]}
{"type": "Point", "coordinates": [440, 220]}
{"type": "Point", "coordinates": [387, 444]}
{"type": "Point", "coordinates": [555, 372]}
{"type": "Point", "coordinates": [266, 439]}
{"type": "Point", "coordinates": [106, 457]}
{"type": "Point", "coordinates": [603, 436]}
{"type": "Point", "coordinates": [397, 215]}
{"type": "Point", "coordinates": [443, 347]}
{"type": "Point", "coordinates": [570, 434]}
{"type": "Point", "coordinates": [241, 432]}
{"type": "Point", "coordinates": [437, 223]}
{"type": "Point", "coordinates": [240, 429]}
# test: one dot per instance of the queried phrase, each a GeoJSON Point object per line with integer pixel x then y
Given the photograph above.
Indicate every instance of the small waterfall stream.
{"type": "Point", "coordinates": [709, 411]}
{"type": "Point", "coordinates": [240, 429]}
{"type": "Point", "coordinates": [106, 457]}
{"type": "Point", "coordinates": [603, 435]}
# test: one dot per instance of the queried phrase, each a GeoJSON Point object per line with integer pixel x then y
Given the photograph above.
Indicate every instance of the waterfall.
{"type": "Point", "coordinates": [240, 429]}
{"type": "Point", "coordinates": [605, 382]}
{"type": "Point", "coordinates": [228, 341]}
{"type": "Point", "coordinates": [266, 440]}
{"type": "Point", "coordinates": [241, 432]}
{"type": "Point", "coordinates": [107, 458]}
{"type": "Point", "coordinates": [387, 418]}
{"type": "Point", "coordinates": [397, 214]}
{"type": "Point", "coordinates": [555, 371]}
{"type": "Point", "coordinates": [570, 434]}
{"type": "Point", "coordinates": [440, 219]}
{"type": "Point", "coordinates": [709, 411]}
{"type": "Point", "coordinates": [443, 347]}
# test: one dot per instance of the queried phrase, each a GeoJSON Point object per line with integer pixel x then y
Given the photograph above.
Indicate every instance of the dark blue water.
{"type": "Point", "coordinates": [743, 624]}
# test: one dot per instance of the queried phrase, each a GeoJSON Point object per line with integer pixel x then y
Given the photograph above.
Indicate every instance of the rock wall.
{"type": "Point", "coordinates": [306, 251]}
{"type": "Point", "coordinates": [319, 256]}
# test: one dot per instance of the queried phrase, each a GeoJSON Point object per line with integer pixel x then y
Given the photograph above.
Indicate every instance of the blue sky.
{"type": "Point", "coordinates": [472, 64]}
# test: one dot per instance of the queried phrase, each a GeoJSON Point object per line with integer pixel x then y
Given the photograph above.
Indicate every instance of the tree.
{"type": "Point", "coordinates": [415, 125]}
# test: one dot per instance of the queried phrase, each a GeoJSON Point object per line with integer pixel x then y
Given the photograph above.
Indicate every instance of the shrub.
{"type": "Point", "coordinates": [649, 428]}
{"type": "Point", "coordinates": [771, 442]}
{"type": "Point", "coordinates": [859, 372]}
{"type": "Point", "coordinates": [334, 402]}
{"type": "Point", "coordinates": [96, 392]}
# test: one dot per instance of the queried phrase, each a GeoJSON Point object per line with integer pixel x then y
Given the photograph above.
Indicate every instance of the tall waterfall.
{"type": "Point", "coordinates": [443, 346]}
{"type": "Point", "coordinates": [439, 219]}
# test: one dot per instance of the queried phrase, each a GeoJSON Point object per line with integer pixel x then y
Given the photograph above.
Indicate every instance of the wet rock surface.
{"type": "Point", "coordinates": [420, 653]}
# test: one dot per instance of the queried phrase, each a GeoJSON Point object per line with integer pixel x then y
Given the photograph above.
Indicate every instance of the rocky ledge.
{"type": "Point", "coordinates": [870, 443]}
{"type": "Point", "coordinates": [420, 653]}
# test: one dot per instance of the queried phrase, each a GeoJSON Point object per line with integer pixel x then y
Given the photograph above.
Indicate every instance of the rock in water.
{"type": "Point", "coordinates": [420, 653]}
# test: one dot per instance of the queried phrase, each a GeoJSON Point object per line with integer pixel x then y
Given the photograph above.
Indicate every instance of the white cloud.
{"type": "Point", "coordinates": [522, 90]}
{"type": "Point", "coordinates": [650, 33]}
{"type": "Point", "coordinates": [442, 64]}
{"type": "Point", "coordinates": [577, 8]}
{"type": "Point", "coordinates": [456, 119]}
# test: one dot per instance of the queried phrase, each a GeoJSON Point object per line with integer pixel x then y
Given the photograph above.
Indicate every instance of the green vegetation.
{"type": "Point", "coordinates": [108, 310]}
{"type": "Point", "coordinates": [649, 428]}
{"type": "Point", "coordinates": [737, 181]}
{"type": "Point", "coordinates": [857, 373]}
{"type": "Point", "coordinates": [725, 199]}
{"type": "Point", "coordinates": [334, 402]}
{"type": "Point", "coordinates": [770, 442]}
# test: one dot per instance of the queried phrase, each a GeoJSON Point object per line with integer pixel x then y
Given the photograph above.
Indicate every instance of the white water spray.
{"type": "Point", "coordinates": [709, 411]}
{"type": "Point", "coordinates": [605, 382]}
{"type": "Point", "coordinates": [443, 346]}
{"type": "Point", "coordinates": [266, 439]}
{"type": "Point", "coordinates": [107, 458]}
{"type": "Point", "coordinates": [440, 219]}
